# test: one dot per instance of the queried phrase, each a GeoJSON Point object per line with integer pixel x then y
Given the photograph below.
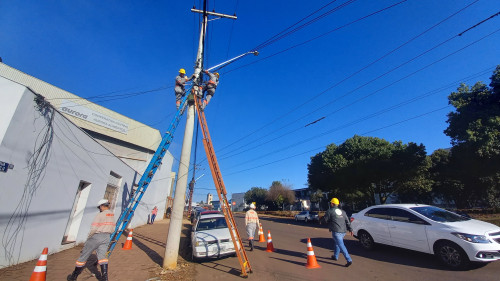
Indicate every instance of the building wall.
{"type": "Point", "coordinates": [52, 157]}
{"type": "Point", "coordinates": [136, 132]}
{"type": "Point", "coordinates": [239, 199]}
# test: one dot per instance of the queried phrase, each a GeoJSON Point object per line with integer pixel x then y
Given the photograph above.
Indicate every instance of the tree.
{"type": "Point", "coordinates": [444, 178]}
{"type": "Point", "coordinates": [279, 194]}
{"type": "Point", "coordinates": [257, 195]}
{"type": "Point", "coordinates": [364, 167]}
{"type": "Point", "coordinates": [474, 128]}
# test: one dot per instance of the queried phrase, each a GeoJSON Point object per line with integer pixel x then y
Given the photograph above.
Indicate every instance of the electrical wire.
{"type": "Point", "coordinates": [345, 79]}
{"type": "Point", "coordinates": [316, 96]}
{"type": "Point", "coordinates": [286, 33]}
{"type": "Point", "coordinates": [323, 147]}
{"type": "Point", "coordinates": [13, 237]}
{"type": "Point", "coordinates": [359, 120]}
{"type": "Point", "coordinates": [390, 84]}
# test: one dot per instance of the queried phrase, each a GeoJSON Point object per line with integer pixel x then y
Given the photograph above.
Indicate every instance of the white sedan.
{"type": "Point", "coordinates": [454, 239]}
{"type": "Point", "coordinates": [210, 237]}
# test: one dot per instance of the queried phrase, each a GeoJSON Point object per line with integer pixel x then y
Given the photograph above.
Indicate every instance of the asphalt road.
{"type": "Point", "coordinates": [289, 259]}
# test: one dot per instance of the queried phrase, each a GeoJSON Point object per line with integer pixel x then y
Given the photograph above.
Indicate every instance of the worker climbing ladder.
{"type": "Point", "coordinates": [146, 178]}
{"type": "Point", "coordinates": [221, 191]}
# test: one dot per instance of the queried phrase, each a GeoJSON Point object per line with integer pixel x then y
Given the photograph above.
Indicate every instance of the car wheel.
{"type": "Point", "coordinates": [305, 220]}
{"type": "Point", "coordinates": [451, 255]}
{"type": "Point", "coordinates": [366, 240]}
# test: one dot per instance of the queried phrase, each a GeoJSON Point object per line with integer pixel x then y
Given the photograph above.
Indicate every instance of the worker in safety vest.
{"type": "Point", "coordinates": [210, 87]}
{"type": "Point", "coordinates": [251, 223]}
{"type": "Point", "coordinates": [180, 83]}
{"type": "Point", "coordinates": [102, 226]}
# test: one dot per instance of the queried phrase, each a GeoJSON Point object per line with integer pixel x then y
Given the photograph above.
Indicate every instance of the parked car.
{"type": "Point", "coordinates": [196, 212]}
{"type": "Point", "coordinates": [210, 237]}
{"type": "Point", "coordinates": [454, 239]}
{"type": "Point", "coordinates": [307, 216]}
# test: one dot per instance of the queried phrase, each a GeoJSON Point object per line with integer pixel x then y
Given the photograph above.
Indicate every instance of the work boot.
{"type": "Point", "coordinates": [251, 245]}
{"type": "Point", "coordinates": [104, 272]}
{"type": "Point", "coordinates": [75, 273]}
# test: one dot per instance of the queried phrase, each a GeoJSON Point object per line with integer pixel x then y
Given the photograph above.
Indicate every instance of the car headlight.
{"type": "Point", "coordinates": [199, 243]}
{"type": "Point", "coordinates": [472, 237]}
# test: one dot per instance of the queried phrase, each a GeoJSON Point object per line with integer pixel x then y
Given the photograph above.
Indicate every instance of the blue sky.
{"type": "Point", "coordinates": [258, 115]}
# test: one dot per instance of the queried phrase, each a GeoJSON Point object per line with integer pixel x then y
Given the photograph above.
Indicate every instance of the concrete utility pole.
{"type": "Point", "coordinates": [174, 231]}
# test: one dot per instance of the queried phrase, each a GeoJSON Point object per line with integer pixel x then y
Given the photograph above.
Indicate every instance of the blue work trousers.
{"type": "Point", "coordinates": [338, 239]}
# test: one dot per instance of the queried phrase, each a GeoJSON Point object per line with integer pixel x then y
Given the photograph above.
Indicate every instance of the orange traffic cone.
{"type": "Point", "coordinates": [40, 271]}
{"type": "Point", "coordinates": [261, 234]}
{"type": "Point", "coordinates": [270, 247]}
{"type": "Point", "coordinates": [311, 258]}
{"type": "Point", "coordinates": [128, 243]}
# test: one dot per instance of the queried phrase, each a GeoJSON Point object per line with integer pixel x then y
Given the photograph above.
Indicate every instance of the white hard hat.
{"type": "Point", "coordinates": [102, 202]}
{"type": "Point", "coordinates": [252, 206]}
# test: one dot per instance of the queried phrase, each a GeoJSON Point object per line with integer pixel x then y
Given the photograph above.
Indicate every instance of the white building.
{"type": "Point", "coordinates": [59, 155]}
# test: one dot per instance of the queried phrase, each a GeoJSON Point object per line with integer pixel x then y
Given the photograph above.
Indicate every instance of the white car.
{"type": "Point", "coordinates": [307, 216]}
{"type": "Point", "coordinates": [210, 237]}
{"type": "Point", "coordinates": [453, 238]}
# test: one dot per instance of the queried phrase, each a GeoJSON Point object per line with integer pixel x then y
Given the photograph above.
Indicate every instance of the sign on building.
{"type": "Point", "coordinates": [87, 114]}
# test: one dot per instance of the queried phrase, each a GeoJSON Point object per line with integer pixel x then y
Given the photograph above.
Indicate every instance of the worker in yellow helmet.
{"type": "Point", "coordinates": [209, 88]}
{"type": "Point", "coordinates": [180, 83]}
{"type": "Point", "coordinates": [338, 224]}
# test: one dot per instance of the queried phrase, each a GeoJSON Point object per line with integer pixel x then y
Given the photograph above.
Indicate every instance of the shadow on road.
{"type": "Point", "coordinates": [149, 239]}
{"type": "Point", "coordinates": [214, 264]}
{"type": "Point", "coordinates": [388, 254]}
{"type": "Point", "coordinates": [153, 255]}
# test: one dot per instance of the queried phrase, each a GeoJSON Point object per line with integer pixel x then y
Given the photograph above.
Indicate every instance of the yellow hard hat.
{"type": "Point", "coordinates": [182, 71]}
{"type": "Point", "coordinates": [335, 201]}
{"type": "Point", "coordinates": [216, 74]}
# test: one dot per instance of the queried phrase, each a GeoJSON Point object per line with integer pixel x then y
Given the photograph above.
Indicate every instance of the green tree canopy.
{"type": "Point", "coordinates": [364, 167]}
{"type": "Point", "coordinates": [257, 195]}
{"type": "Point", "coordinates": [474, 129]}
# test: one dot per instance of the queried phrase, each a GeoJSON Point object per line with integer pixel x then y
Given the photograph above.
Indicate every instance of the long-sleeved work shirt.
{"type": "Point", "coordinates": [104, 222]}
{"type": "Point", "coordinates": [180, 83]}
{"type": "Point", "coordinates": [338, 221]}
{"type": "Point", "coordinates": [213, 80]}
{"type": "Point", "coordinates": [251, 217]}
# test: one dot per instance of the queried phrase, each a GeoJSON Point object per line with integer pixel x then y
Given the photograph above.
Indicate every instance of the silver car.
{"type": "Point", "coordinates": [307, 216]}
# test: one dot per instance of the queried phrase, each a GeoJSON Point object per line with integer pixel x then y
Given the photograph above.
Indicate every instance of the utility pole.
{"type": "Point", "coordinates": [174, 232]}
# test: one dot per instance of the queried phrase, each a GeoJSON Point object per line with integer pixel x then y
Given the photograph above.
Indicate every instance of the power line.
{"type": "Point", "coordinates": [367, 117]}
{"type": "Point", "coordinates": [405, 77]}
{"type": "Point", "coordinates": [286, 29]}
{"type": "Point", "coordinates": [297, 107]}
{"type": "Point", "coordinates": [361, 86]}
{"type": "Point", "coordinates": [323, 147]}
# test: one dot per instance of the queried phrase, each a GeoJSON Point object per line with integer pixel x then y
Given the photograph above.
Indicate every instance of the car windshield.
{"type": "Point", "coordinates": [438, 214]}
{"type": "Point", "coordinates": [211, 223]}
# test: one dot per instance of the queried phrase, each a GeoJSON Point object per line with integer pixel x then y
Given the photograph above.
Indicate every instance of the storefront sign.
{"type": "Point", "coordinates": [87, 114]}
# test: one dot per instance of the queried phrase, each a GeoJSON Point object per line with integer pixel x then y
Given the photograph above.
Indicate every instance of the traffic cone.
{"type": "Point", "coordinates": [270, 247]}
{"type": "Point", "coordinates": [40, 271]}
{"type": "Point", "coordinates": [261, 234]}
{"type": "Point", "coordinates": [311, 258]}
{"type": "Point", "coordinates": [128, 243]}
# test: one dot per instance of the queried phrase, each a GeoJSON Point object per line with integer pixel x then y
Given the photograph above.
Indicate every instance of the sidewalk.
{"type": "Point", "coordinates": [141, 263]}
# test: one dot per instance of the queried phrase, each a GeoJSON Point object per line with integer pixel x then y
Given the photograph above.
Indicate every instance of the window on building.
{"type": "Point", "coordinates": [114, 182]}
